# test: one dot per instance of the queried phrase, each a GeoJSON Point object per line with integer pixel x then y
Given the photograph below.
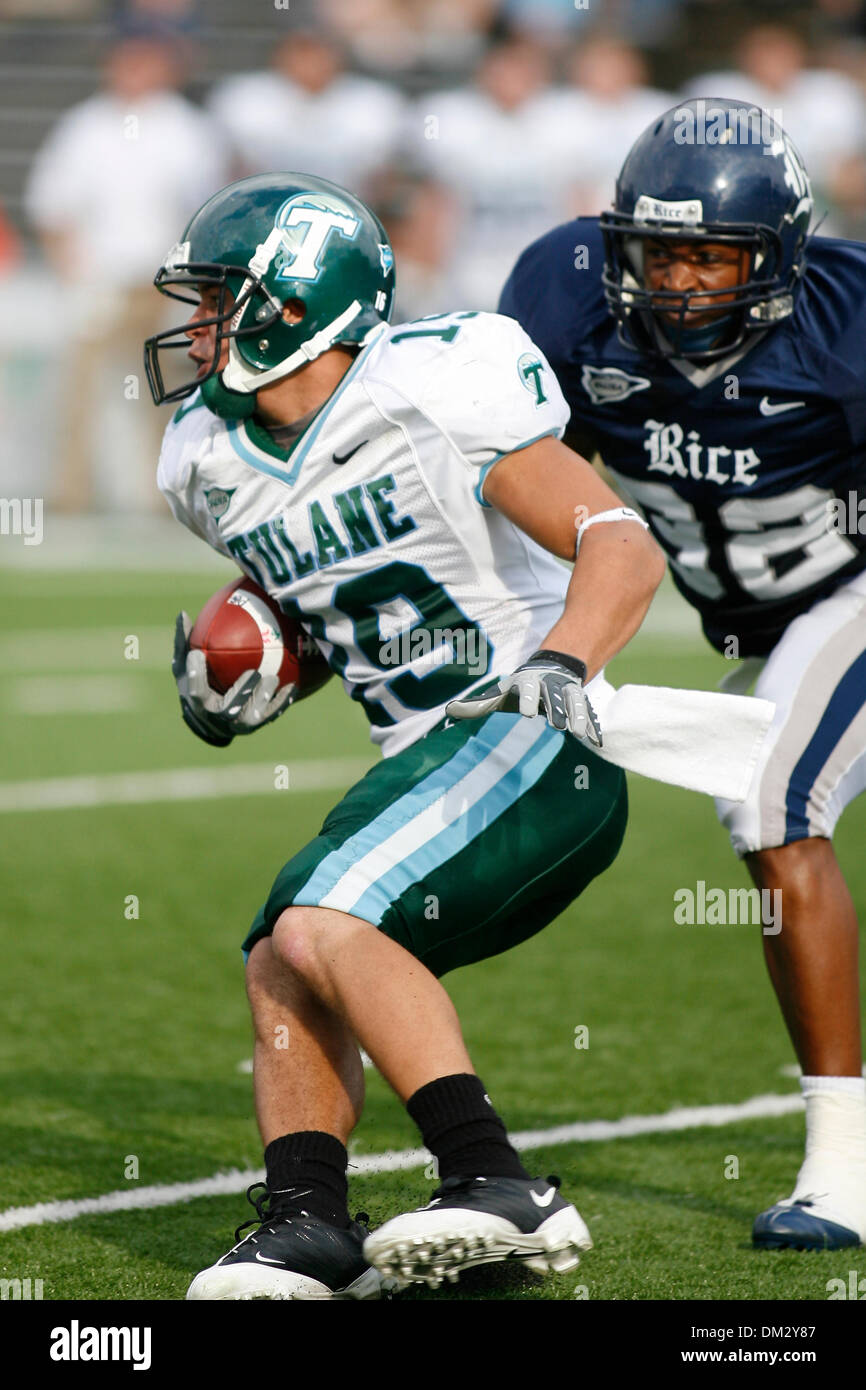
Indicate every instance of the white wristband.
{"type": "Point", "coordinates": [615, 514]}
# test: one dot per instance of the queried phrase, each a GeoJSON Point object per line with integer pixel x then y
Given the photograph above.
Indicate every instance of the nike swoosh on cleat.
{"type": "Point", "coordinates": [345, 457]}
{"type": "Point", "coordinates": [767, 409]}
{"type": "Point", "coordinates": [263, 1259]}
{"type": "Point", "coordinates": [544, 1201]}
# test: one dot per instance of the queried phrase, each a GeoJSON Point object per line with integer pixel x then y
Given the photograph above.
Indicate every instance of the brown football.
{"type": "Point", "coordinates": [241, 628]}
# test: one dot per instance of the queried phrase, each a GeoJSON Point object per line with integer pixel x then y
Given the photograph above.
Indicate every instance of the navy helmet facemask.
{"type": "Point", "coordinates": [714, 171]}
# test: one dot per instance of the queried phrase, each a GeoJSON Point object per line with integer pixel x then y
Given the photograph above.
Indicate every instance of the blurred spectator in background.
{"type": "Point", "coordinates": [419, 216]}
{"type": "Point", "coordinates": [109, 192]}
{"type": "Point", "coordinates": [593, 122]}
{"type": "Point", "coordinates": [550, 19]}
{"type": "Point", "coordinates": [10, 249]}
{"type": "Point", "coordinates": [844, 16]}
{"type": "Point", "coordinates": [10, 252]}
{"type": "Point", "coordinates": [402, 37]}
{"type": "Point", "coordinates": [166, 19]}
{"type": "Point", "coordinates": [822, 109]}
{"type": "Point", "coordinates": [494, 155]}
{"type": "Point", "coordinates": [647, 22]}
{"type": "Point", "coordinates": [491, 146]}
{"type": "Point", "coordinates": [309, 114]}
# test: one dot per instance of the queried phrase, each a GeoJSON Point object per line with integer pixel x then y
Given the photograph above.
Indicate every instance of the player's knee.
{"type": "Point", "coordinates": [295, 937]}
{"type": "Point", "coordinates": [770, 862]}
{"type": "Point", "coordinates": [790, 866]}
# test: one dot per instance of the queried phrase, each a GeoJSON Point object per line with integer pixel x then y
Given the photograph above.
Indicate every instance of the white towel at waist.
{"type": "Point", "coordinates": [698, 739]}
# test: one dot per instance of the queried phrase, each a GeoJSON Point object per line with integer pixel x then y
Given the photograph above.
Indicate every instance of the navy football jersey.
{"type": "Point", "coordinates": [750, 470]}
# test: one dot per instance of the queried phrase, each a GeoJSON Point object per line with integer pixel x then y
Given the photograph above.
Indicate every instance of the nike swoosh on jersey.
{"type": "Point", "coordinates": [345, 458]}
{"type": "Point", "coordinates": [544, 1201]}
{"type": "Point", "coordinates": [767, 409]}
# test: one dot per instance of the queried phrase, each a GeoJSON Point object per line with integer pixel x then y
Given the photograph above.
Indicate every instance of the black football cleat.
{"type": "Point", "coordinates": [291, 1255]}
{"type": "Point", "coordinates": [476, 1221]}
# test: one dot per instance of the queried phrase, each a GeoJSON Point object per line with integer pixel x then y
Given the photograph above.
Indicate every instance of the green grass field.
{"type": "Point", "coordinates": [126, 1036]}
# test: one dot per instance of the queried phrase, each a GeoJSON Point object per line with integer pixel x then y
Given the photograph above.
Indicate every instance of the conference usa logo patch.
{"type": "Point", "coordinates": [218, 500]}
{"type": "Point", "coordinates": [610, 385]}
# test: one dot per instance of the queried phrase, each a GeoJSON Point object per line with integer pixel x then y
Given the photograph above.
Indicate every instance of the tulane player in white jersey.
{"type": "Point", "coordinates": [388, 538]}
{"type": "Point", "coordinates": [402, 492]}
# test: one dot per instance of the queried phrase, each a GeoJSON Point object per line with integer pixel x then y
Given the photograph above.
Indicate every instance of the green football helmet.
{"type": "Point", "coordinates": [262, 242]}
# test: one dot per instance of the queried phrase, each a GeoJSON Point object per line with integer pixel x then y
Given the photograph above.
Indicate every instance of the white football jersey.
{"type": "Point", "coordinates": [373, 531]}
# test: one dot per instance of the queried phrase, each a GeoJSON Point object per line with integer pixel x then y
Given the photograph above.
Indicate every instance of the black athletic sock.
{"type": "Point", "coordinates": [460, 1127]}
{"type": "Point", "coordinates": [307, 1172]}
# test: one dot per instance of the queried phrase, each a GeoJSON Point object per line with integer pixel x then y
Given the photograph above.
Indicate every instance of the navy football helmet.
{"type": "Point", "coordinates": [707, 170]}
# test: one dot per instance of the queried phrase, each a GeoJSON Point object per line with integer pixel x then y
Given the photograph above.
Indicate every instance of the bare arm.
{"type": "Point", "coordinates": [547, 490]}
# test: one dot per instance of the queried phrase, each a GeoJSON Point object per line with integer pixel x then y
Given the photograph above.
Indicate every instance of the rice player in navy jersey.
{"type": "Point", "coordinates": [713, 354]}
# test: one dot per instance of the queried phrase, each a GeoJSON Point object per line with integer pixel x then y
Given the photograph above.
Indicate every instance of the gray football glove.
{"type": "Point", "coordinates": [251, 702]}
{"type": "Point", "coordinates": [549, 683]}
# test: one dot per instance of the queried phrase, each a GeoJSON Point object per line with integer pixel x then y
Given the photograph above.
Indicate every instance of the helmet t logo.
{"type": "Point", "coordinates": [299, 257]}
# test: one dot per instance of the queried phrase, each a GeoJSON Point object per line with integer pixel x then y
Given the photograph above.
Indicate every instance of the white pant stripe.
{"type": "Point", "coordinates": [801, 675]}
{"type": "Point", "coordinates": [447, 809]}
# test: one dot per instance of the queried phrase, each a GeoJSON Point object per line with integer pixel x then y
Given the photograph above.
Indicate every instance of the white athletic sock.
{"type": "Point", "coordinates": [834, 1168]}
{"type": "Point", "coordinates": [850, 1085]}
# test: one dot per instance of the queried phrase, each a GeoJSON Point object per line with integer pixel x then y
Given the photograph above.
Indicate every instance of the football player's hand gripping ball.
{"type": "Point", "coordinates": [250, 703]}
{"type": "Point", "coordinates": [549, 683]}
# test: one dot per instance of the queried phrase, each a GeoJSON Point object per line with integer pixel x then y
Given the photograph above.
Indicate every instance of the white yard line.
{"type": "Point", "coordinates": [236, 1180]}
{"type": "Point", "coordinates": [86, 649]}
{"type": "Point", "coordinates": [68, 695]}
{"type": "Point", "coordinates": [179, 784]}
{"type": "Point", "coordinates": [103, 547]}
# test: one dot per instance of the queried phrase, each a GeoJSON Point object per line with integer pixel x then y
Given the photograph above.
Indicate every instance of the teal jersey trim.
{"type": "Point", "coordinates": [305, 444]}
{"type": "Point", "coordinates": [479, 486]}
{"type": "Point", "coordinates": [240, 437]}
{"type": "Point", "coordinates": [486, 467]}
{"type": "Point", "coordinates": [237, 441]}
{"type": "Point", "coordinates": [195, 402]}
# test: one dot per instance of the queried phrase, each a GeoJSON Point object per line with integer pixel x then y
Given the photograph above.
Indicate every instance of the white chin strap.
{"type": "Point", "coordinates": [240, 376]}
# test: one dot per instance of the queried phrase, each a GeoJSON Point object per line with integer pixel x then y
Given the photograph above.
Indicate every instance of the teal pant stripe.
{"type": "Point", "coordinates": [378, 898]}
{"type": "Point", "coordinates": [416, 800]}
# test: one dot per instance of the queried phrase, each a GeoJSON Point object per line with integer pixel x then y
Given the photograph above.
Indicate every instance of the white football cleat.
{"type": "Point", "coordinates": [476, 1221]}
